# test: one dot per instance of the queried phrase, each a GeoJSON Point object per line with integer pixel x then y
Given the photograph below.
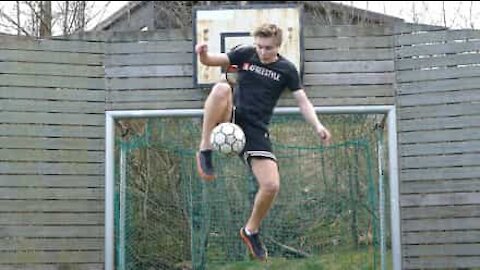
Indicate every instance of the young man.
{"type": "Point", "coordinates": [263, 74]}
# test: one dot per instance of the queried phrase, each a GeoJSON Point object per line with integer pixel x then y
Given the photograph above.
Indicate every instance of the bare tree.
{"type": "Point", "coordinates": [415, 16]}
{"type": "Point", "coordinates": [472, 25]}
{"type": "Point", "coordinates": [45, 22]}
{"type": "Point", "coordinates": [444, 14]}
{"type": "Point", "coordinates": [66, 12]}
{"type": "Point", "coordinates": [73, 16]}
{"type": "Point", "coordinates": [45, 18]}
{"type": "Point", "coordinates": [17, 5]}
{"type": "Point", "coordinates": [8, 22]}
{"type": "Point", "coordinates": [80, 7]}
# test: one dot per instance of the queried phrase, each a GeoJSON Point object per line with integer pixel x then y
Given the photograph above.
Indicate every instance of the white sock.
{"type": "Point", "coordinates": [248, 232]}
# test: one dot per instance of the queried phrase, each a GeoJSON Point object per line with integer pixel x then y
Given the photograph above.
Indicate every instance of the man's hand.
{"type": "Point", "coordinates": [201, 48]}
{"type": "Point", "coordinates": [211, 59]}
{"type": "Point", "coordinates": [324, 134]}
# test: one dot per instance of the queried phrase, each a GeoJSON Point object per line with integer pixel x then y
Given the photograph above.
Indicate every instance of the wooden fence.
{"type": "Point", "coordinates": [52, 99]}
{"type": "Point", "coordinates": [438, 102]}
{"type": "Point", "coordinates": [53, 94]}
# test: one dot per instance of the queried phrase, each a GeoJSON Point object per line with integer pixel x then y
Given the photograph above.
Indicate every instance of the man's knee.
{"type": "Point", "coordinates": [221, 90]}
{"type": "Point", "coordinates": [272, 187]}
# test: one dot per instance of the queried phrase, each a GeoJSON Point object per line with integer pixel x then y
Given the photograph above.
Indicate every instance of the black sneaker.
{"type": "Point", "coordinates": [254, 244]}
{"type": "Point", "coordinates": [205, 165]}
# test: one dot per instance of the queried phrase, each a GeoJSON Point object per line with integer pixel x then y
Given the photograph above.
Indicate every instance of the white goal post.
{"type": "Point", "coordinates": [111, 116]}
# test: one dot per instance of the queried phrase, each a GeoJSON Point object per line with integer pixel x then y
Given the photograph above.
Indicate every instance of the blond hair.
{"type": "Point", "coordinates": [268, 30]}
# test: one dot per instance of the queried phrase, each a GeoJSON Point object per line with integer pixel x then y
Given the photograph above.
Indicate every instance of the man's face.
{"type": "Point", "coordinates": [267, 49]}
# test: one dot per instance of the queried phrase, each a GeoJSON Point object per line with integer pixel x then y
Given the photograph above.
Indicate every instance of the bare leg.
{"type": "Point", "coordinates": [266, 172]}
{"type": "Point", "coordinates": [217, 109]}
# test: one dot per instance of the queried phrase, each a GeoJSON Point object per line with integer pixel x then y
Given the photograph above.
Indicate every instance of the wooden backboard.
{"type": "Point", "coordinates": [222, 28]}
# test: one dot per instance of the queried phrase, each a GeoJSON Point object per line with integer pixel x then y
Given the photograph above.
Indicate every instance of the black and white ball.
{"type": "Point", "coordinates": [228, 138]}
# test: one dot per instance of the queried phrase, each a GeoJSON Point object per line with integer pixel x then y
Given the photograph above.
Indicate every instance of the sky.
{"type": "Point", "coordinates": [458, 14]}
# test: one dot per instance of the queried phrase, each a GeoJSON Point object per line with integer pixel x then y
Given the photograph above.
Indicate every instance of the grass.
{"type": "Point", "coordinates": [358, 260]}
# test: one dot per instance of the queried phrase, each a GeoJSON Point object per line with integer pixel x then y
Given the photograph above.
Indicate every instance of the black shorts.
{"type": "Point", "coordinates": [258, 142]}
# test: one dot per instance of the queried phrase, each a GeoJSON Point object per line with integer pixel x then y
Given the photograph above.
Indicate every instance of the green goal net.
{"type": "Point", "coordinates": [325, 216]}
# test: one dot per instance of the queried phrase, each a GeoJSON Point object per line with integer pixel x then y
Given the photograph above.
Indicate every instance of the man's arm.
{"type": "Point", "coordinates": [308, 112]}
{"type": "Point", "coordinates": [210, 59]}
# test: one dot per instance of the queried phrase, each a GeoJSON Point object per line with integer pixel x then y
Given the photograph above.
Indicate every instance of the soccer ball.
{"type": "Point", "coordinates": [228, 138]}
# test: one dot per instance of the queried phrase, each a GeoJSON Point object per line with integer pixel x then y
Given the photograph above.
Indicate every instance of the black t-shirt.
{"type": "Point", "coordinates": [259, 86]}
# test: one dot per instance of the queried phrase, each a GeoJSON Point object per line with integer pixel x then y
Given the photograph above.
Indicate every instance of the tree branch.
{"type": "Point", "coordinates": [290, 249]}
{"type": "Point", "coordinates": [12, 21]}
